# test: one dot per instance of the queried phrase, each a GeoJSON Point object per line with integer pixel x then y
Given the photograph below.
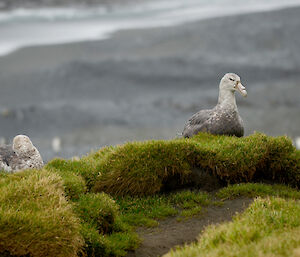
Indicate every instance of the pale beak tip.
{"type": "Point", "coordinates": [242, 90]}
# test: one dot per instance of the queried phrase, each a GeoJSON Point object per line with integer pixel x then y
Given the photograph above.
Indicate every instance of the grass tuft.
{"type": "Point", "coordinates": [104, 232]}
{"type": "Point", "coordinates": [142, 168]}
{"type": "Point", "coordinates": [98, 210]}
{"type": "Point", "coordinates": [84, 168]}
{"type": "Point", "coordinates": [95, 243]}
{"type": "Point", "coordinates": [35, 217]}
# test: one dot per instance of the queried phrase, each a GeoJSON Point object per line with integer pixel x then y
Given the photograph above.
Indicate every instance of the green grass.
{"type": "Point", "coordinates": [86, 167]}
{"type": "Point", "coordinates": [95, 243]}
{"type": "Point", "coordinates": [74, 185]}
{"type": "Point", "coordinates": [35, 217]}
{"type": "Point", "coordinates": [108, 225]}
{"type": "Point", "coordinates": [269, 227]}
{"type": "Point", "coordinates": [145, 168]}
{"type": "Point", "coordinates": [142, 168]}
{"type": "Point", "coordinates": [91, 206]}
{"type": "Point", "coordinates": [103, 230]}
{"type": "Point", "coordinates": [143, 211]}
{"type": "Point", "coordinates": [146, 211]}
{"type": "Point", "coordinates": [256, 189]}
{"type": "Point", "coordinates": [121, 242]}
{"type": "Point", "coordinates": [108, 245]}
{"type": "Point", "coordinates": [98, 210]}
{"type": "Point", "coordinates": [134, 174]}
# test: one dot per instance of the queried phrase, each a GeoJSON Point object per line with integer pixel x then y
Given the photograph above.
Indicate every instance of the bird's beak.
{"type": "Point", "coordinates": [239, 87]}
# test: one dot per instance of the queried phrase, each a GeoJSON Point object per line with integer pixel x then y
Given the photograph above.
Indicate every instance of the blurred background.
{"type": "Point", "coordinates": [76, 75]}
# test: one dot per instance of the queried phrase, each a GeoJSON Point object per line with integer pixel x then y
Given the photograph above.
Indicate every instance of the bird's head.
{"type": "Point", "coordinates": [232, 82]}
{"type": "Point", "coordinates": [22, 144]}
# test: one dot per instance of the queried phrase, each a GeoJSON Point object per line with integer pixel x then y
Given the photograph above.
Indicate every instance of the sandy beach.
{"type": "Point", "coordinates": [145, 83]}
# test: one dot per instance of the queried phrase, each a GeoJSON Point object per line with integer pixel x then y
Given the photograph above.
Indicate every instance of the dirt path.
{"type": "Point", "coordinates": [158, 241]}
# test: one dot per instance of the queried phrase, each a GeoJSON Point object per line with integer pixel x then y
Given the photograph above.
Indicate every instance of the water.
{"type": "Point", "coordinates": [31, 27]}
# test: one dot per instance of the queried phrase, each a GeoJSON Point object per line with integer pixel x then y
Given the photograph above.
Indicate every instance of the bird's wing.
{"type": "Point", "coordinates": [196, 122]}
{"type": "Point", "coordinates": [200, 117]}
{"type": "Point", "coordinates": [6, 156]}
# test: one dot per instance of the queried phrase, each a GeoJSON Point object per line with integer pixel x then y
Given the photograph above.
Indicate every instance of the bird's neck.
{"type": "Point", "coordinates": [227, 99]}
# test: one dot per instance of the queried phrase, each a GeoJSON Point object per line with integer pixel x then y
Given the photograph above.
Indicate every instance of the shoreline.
{"type": "Point", "coordinates": [60, 25]}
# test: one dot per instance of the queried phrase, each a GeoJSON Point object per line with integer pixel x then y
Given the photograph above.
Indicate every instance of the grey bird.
{"type": "Point", "coordinates": [224, 118]}
{"type": "Point", "coordinates": [20, 156]}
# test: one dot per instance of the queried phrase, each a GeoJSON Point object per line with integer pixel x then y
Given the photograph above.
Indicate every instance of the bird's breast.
{"type": "Point", "coordinates": [225, 123]}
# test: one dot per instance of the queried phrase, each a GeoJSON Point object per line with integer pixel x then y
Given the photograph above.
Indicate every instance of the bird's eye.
{"type": "Point", "coordinates": [231, 79]}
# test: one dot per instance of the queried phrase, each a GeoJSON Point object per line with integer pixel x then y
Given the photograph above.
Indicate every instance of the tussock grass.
{"type": "Point", "coordinates": [86, 167]}
{"type": "Point", "coordinates": [269, 227]}
{"type": "Point", "coordinates": [95, 243]}
{"type": "Point", "coordinates": [142, 168]}
{"type": "Point", "coordinates": [83, 168]}
{"type": "Point", "coordinates": [104, 232]}
{"type": "Point", "coordinates": [79, 175]}
{"type": "Point", "coordinates": [109, 245]}
{"type": "Point", "coordinates": [35, 218]}
{"type": "Point", "coordinates": [145, 168]}
{"type": "Point", "coordinates": [74, 185]}
{"type": "Point", "coordinates": [98, 210]}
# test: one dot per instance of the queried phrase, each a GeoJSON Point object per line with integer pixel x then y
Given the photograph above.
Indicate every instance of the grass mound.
{"type": "Point", "coordinates": [35, 217]}
{"type": "Point", "coordinates": [98, 210]}
{"type": "Point", "coordinates": [269, 227]}
{"type": "Point", "coordinates": [145, 168]}
{"type": "Point", "coordinates": [142, 168]}
{"type": "Point", "coordinates": [117, 243]}
{"type": "Point", "coordinates": [74, 172]}
{"type": "Point", "coordinates": [104, 232]}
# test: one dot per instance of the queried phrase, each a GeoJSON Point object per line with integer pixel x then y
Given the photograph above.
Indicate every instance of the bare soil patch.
{"type": "Point", "coordinates": [170, 233]}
